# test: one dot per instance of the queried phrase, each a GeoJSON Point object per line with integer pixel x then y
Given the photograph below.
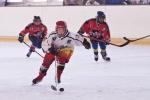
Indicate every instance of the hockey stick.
{"type": "Point", "coordinates": [54, 87]}
{"type": "Point", "coordinates": [117, 45]}
{"type": "Point", "coordinates": [35, 50]}
{"type": "Point", "coordinates": [127, 39]}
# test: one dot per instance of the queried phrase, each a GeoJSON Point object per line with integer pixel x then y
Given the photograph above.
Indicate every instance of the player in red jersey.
{"type": "Point", "coordinates": [37, 31]}
{"type": "Point", "coordinates": [97, 29]}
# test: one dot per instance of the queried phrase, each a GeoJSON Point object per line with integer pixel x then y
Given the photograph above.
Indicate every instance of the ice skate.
{"type": "Point", "coordinates": [38, 79]}
{"type": "Point", "coordinates": [96, 57]}
{"type": "Point", "coordinates": [104, 56]}
{"type": "Point", "coordinates": [29, 54]}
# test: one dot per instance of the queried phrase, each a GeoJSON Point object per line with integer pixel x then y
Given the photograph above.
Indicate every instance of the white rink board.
{"type": "Point", "coordinates": [130, 21]}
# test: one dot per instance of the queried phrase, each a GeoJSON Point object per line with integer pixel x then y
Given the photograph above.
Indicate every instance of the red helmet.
{"type": "Point", "coordinates": [61, 24]}
{"type": "Point", "coordinates": [61, 28]}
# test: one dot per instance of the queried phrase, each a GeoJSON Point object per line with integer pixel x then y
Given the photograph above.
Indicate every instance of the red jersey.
{"type": "Point", "coordinates": [34, 30]}
{"type": "Point", "coordinates": [96, 30]}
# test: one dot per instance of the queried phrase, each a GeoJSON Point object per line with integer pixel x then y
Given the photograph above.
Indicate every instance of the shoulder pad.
{"type": "Point", "coordinates": [29, 25]}
{"type": "Point", "coordinates": [105, 23]}
{"type": "Point", "coordinates": [52, 33]}
{"type": "Point", "coordinates": [43, 25]}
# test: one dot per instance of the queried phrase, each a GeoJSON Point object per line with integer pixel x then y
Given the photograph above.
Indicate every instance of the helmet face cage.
{"type": "Point", "coordinates": [61, 28]}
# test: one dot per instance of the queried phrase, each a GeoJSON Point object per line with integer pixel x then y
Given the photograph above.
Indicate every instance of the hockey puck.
{"type": "Point", "coordinates": [53, 88]}
{"type": "Point", "coordinates": [61, 89]}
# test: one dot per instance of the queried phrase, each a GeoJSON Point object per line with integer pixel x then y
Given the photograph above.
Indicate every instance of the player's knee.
{"type": "Point", "coordinates": [43, 70]}
{"type": "Point", "coordinates": [48, 59]}
{"type": "Point", "coordinates": [32, 48]}
{"type": "Point", "coordinates": [102, 45]}
{"type": "Point", "coordinates": [61, 66]}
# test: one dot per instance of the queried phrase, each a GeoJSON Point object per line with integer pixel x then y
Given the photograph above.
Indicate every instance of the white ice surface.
{"type": "Point", "coordinates": [126, 77]}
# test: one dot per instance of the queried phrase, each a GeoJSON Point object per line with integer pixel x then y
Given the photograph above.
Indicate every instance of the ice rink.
{"type": "Point", "coordinates": [126, 77]}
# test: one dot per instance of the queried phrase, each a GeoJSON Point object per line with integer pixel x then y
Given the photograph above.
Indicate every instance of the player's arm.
{"type": "Point", "coordinates": [23, 33]}
{"type": "Point", "coordinates": [47, 43]}
{"type": "Point", "coordinates": [85, 28]}
{"type": "Point", "coordinates": [80, 40]}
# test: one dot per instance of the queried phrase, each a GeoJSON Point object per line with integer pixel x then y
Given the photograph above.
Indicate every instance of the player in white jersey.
{"type": "Point", "coordinates": [59, 46]}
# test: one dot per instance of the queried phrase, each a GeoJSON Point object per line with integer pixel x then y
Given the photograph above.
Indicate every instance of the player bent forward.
{"type": "Point", "coordinates": [59, 46]}
{"type": "Point", "coordinates": [36, 32]}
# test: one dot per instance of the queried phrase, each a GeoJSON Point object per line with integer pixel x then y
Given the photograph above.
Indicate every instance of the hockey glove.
{"type": "Point", "coordinates": [52, 50]}
{"type": "Point", "coordinates": [107, 41]}
{"type": "Point", "coordinates": [86, 44]}
{"type": "Point", "coordinates": [20, 38]}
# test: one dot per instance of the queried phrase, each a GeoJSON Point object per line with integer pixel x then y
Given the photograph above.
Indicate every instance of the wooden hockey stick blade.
{"type": "Point", "coordinates": [127, 39]}
{"type": "Point", "coordinates": [122, 45]}
{"type": "Point", "coordinates": [136, 39]}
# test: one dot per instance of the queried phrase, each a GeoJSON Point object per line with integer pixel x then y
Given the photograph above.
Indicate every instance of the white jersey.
{"type": "Point", "coordinates": [69, 41]}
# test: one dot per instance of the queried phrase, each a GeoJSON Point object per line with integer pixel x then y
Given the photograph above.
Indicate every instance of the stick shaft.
{"type": "Point", "coordinates": [35, 50]}
{"type": "Point", "coordinates": [98, 40]}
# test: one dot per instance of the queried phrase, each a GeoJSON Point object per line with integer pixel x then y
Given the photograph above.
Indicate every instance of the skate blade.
{"type": "Point", "coordinates": [53, 88]}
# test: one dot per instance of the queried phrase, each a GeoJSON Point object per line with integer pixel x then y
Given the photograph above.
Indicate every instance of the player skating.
{"type": "Point", "coordinates": [97, 29]}
{"type": "Point", "coordinates": [59, 46]}
{"type": "Point", "coordinates": [37, 31]}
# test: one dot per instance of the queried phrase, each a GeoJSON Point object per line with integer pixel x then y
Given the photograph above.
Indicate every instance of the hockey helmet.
{"type": "Point", "coordinates": [100, 17]}
{"type": "Point", "coordinates": [61, 24]}
{"type": "Point", "coordinates": [61, 27]}
{"type": "Point", "coordinates": [101, 14]}
{"type": "Point", "coordinates": [37, 18]}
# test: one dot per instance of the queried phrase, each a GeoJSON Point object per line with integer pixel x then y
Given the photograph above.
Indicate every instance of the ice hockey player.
{"type": "Point", "coordinates": [59, 46]}
{"type": "Point", "coordinates": [99, 34]}
{"type": "Point", "coordinates": [37, 31]}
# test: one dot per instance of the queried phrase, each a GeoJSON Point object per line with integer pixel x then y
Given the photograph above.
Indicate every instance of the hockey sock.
{"type": "Point", "coordinates": [96, 54]}
{"type": "Point", "coordinates": [60, 69]}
